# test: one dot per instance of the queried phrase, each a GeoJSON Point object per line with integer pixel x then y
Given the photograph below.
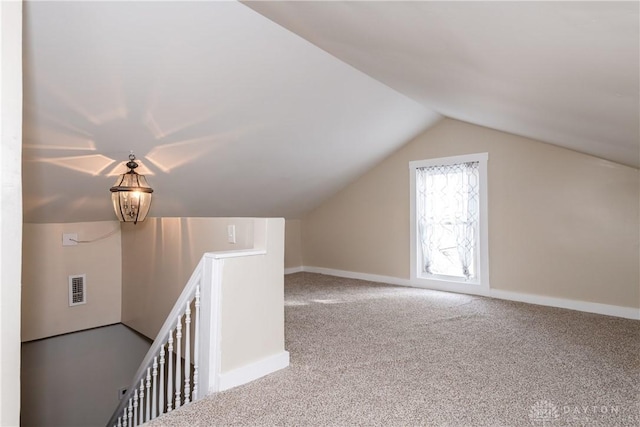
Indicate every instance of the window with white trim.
{"type": "Point", "coordinates": [449, 219]}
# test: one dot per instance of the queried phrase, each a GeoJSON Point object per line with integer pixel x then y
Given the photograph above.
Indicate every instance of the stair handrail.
{"type": "Point", "coordinates": [197, 289]}
{"type": "Point", "coordinates": [203, 290]}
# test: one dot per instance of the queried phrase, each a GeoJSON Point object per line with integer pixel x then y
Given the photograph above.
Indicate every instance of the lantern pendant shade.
{"type": "Point", "coordinates": [131, 195]}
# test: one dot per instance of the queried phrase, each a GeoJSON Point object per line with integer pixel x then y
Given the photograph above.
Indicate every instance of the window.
{"type": "Point", "coordinates": [449, 221]}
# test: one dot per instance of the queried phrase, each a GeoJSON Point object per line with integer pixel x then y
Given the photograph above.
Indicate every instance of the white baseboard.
{"type": "Point", "coordinates": [588, 307]}
{"type": "Point", "coordinates": [293, 270]}
{"type": "Point", "coordinates": [361, 276]}
{"type": "Point", "coordinates": [253, 371]}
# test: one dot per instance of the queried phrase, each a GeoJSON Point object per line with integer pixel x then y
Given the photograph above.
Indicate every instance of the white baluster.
{"type": "Point", "coordinates": [161, 393]}
{"type": "Point", "coordinates": [169, 388]}
{"type": "Point", "coordinates": [135, 407]}
{"type": "Point", "coordinates": [178, 360]}
{"type": "Point", "coordinates": [170, 373]}
{"type": "Point", "coordinates": [148, 405]}
{"type": "Point", "coordinates": [154, 399]}
{"type": "Point", "coordinates": [130, 413]}
{"type": "Point", "coordinates": [141, 394]}
{"type": "Point", "coordinates": [196, 345]}
{"type": "Point", "coordinates": [187, 352]}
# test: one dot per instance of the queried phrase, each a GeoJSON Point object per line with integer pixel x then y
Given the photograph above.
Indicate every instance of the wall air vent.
{"type": "Point", "coordinates": [77, 289]}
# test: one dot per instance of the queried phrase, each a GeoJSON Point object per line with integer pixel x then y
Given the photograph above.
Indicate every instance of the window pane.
{"type": "Point", "coordinates": [447, 204]}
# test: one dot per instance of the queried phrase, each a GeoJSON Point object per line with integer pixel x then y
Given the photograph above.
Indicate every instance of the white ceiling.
{"type": "Point", "coordinates": [234, 115]}
{"type": "Point", "coordinates": [562, 72]}
{"type": "Point", "coordinates": [230, 114]}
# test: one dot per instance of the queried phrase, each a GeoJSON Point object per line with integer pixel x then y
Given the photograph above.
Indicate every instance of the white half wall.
{"type": "Point", "coordinates": [252, 319]}
{"type": "Point", "coordinates": [248, 298]}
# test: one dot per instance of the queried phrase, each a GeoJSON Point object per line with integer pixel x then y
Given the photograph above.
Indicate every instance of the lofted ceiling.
{"type": "Point", "coordinates": [267, 110]}
{"type": "Point", "coordinates": [229, 113]}
{"type": "Point", "coordinates": [566, 73]}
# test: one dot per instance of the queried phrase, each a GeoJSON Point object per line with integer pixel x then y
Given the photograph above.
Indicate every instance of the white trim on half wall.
{"type": "Point", "coordinates": [253, 371]}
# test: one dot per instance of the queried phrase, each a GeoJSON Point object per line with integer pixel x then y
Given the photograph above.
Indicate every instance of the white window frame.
{"type": "Point", "coordinates": [480, 285]}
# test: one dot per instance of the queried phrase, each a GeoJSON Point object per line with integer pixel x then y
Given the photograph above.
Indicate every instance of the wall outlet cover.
{"type": "Point", "coordinates": [69, 239]}
{"type": "Point", "coordinates": [231, 233]}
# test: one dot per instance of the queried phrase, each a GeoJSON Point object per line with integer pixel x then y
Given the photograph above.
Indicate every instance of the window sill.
{"type": "Point", "coordinates": [449, 284]}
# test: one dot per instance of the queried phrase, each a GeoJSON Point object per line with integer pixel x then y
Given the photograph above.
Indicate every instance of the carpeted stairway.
{"type": "Point", "coordinates": [370, 354]}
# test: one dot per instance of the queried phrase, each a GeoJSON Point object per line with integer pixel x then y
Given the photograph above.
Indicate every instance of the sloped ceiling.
{"type": "Point", "coordinates": [229, 113]}
{"type": "Point", "coordinates": [234, 114]}
{"type": "Point", "coordinates": [566, 73]}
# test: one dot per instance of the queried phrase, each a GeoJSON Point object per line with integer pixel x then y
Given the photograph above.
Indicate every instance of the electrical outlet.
{"type": "Point", "coordinates": [69, 239]}
{"type": "Point", "coordinates": [231, 233]}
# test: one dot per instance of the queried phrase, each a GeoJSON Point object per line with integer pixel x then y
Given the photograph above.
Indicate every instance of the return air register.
{"type": "Point", "coordinates": [77, 289]}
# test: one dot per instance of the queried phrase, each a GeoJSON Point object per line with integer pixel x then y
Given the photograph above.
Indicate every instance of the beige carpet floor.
{"type": "Point", "coordinates": [377, 355]}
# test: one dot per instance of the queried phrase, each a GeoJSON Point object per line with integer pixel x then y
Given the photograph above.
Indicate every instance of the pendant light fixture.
{"type": "Point", "coordinates": [131, 196]}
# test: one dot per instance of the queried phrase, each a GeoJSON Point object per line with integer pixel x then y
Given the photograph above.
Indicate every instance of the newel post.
{"type": "Point", "coordinates": [209, 345]}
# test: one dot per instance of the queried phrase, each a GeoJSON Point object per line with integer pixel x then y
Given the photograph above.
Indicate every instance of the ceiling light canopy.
{"type": "Point", "coordinates": [131, 196]}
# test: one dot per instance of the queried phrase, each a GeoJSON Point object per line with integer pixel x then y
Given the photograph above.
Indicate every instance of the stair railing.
{"type": "Point", "coordinates": [168, 376]}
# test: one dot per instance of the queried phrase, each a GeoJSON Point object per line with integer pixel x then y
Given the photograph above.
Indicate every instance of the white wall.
{"type": "Point", "coordinates": [73, 379]}
{"type": "Point", "coordinates": [46, 269]}
{"type": "Point", "coordinates": [158, 258]}
{"type": "Point", "coordinates": [561, 224]}
{"type": "Point", "coordinates": [10, 208]}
